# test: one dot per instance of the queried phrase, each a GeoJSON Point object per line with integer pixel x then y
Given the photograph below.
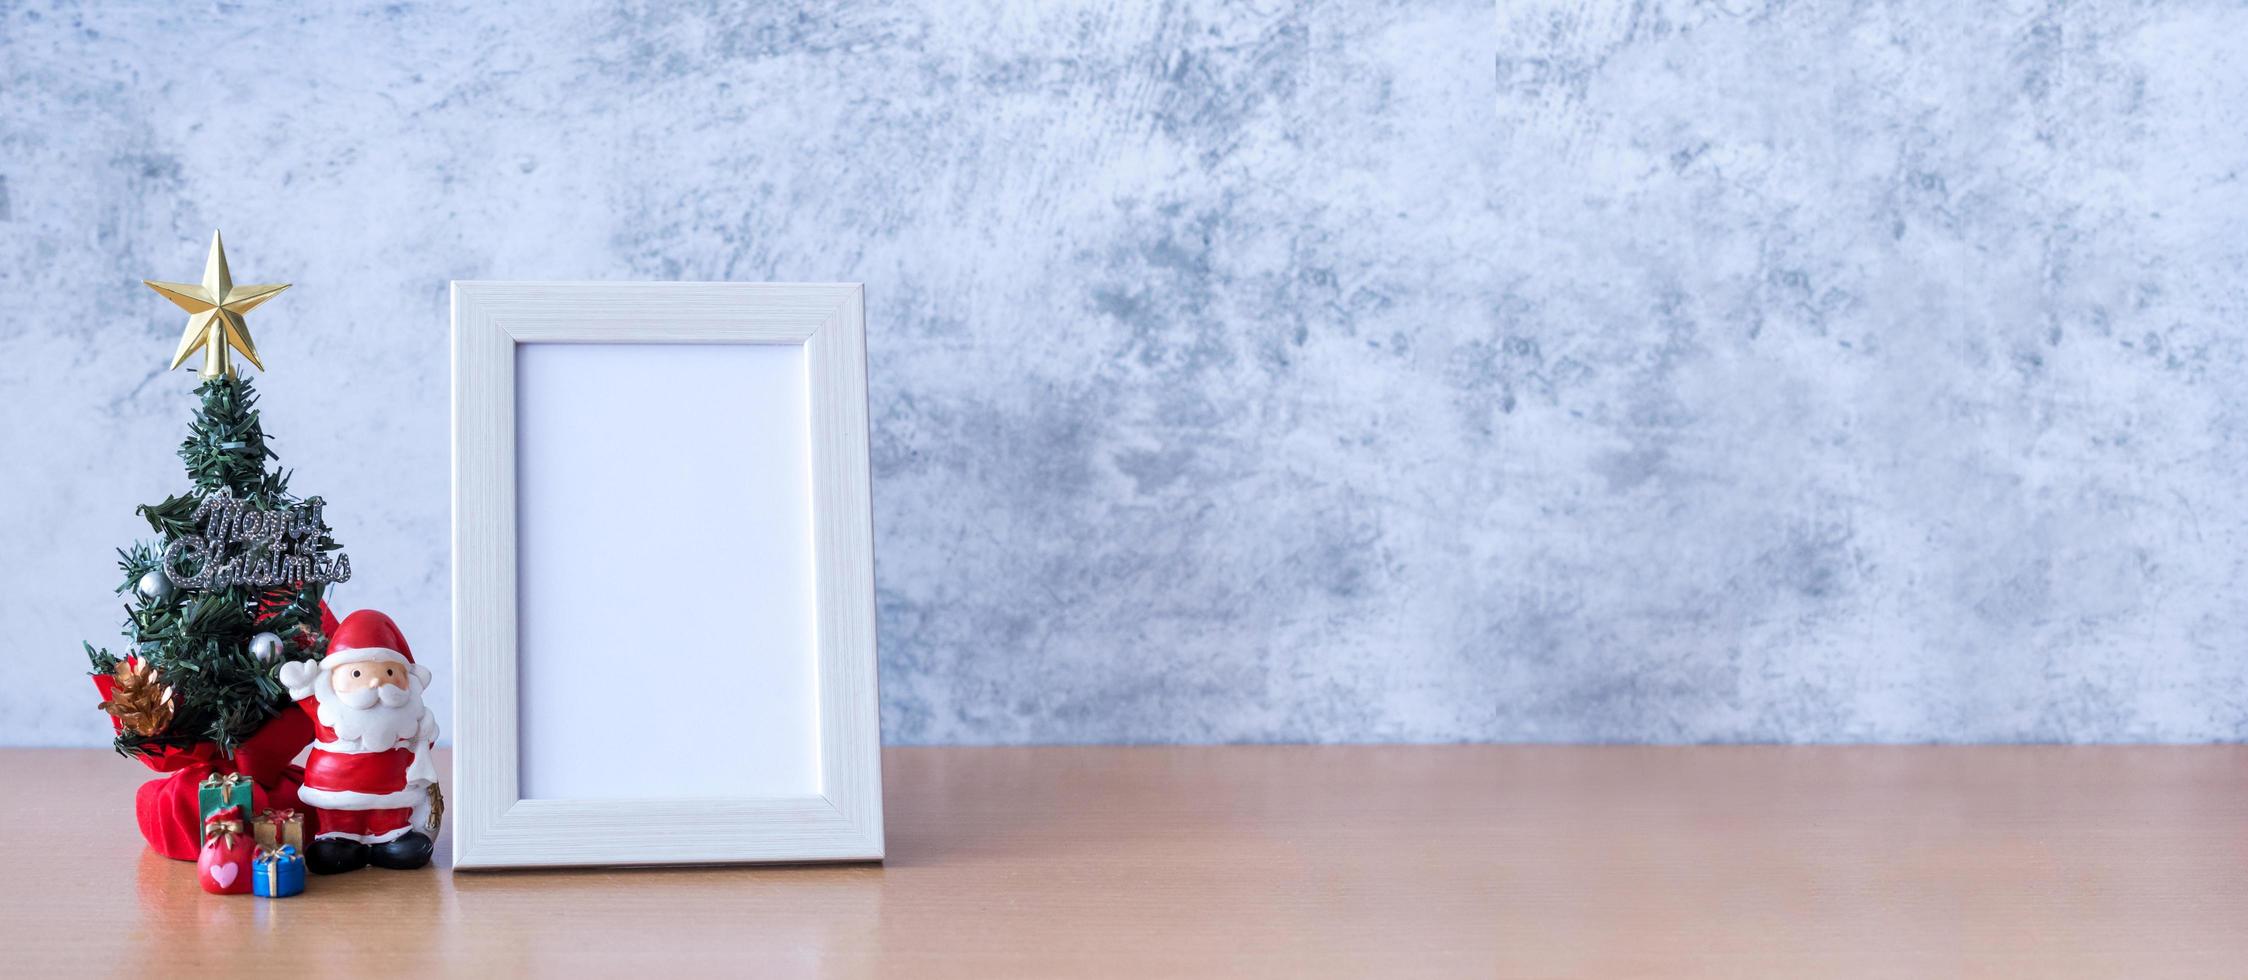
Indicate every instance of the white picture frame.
{"type": "Point", "coordinates": [825, 806]}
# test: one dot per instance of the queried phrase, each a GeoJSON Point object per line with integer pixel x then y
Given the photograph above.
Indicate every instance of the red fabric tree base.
{"type": "Point", "coordinates": [167, 807]}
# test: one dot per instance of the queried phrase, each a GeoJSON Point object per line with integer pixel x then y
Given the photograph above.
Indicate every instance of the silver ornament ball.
{"type": "Point", "coordinates": [155, 586]}
{"type": "Point", "coordinates": [266, 647]}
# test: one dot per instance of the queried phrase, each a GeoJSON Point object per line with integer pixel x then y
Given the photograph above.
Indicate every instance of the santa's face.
{"type": "Point", "coordinates": [368, 674]}
{"type": "Point", "coordinates": [376, 704]}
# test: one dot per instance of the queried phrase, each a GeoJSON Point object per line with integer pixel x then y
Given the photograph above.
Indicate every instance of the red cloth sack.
{"type": "Point", "coordinates": [169, 808]}
{"type": "Point", "coordinates": [224, 865]}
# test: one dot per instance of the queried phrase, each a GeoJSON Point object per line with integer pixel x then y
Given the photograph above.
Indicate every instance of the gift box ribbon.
{"type": "Point", "coordinates": [226, 783]}
{"type": "Point", "coordinates": [222, 824]}
{"type": "Point", "coordinates": [284, 853]}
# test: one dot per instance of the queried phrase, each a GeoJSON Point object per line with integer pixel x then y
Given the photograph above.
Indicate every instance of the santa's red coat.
{"type": "Point", "coordinates": [357, 795]}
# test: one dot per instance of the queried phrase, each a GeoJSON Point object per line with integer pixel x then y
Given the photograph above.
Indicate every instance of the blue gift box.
{"type": "Point", "coordinates": [277, 873]}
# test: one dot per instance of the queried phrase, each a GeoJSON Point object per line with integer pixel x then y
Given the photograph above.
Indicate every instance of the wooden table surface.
{"type": "Point", "coordinates": [1267, 861]}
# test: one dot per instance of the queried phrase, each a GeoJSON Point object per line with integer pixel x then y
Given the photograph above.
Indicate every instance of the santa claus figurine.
{"type": "Point", "coordinates": [369, 778]}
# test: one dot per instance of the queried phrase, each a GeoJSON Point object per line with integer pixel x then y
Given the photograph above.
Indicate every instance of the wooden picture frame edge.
{"type": "Point", "coordinates": [493, 827]}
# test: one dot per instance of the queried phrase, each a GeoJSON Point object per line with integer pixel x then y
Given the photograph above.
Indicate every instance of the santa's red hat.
{"type": "Point", "coordinates": [366, 635]}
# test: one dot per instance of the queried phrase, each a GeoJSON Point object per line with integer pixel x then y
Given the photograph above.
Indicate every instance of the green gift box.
{"type": "Point", "coordinates": [219, 792]}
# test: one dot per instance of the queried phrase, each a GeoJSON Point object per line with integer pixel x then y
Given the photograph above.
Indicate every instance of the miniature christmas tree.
{"type": "Point", "coordinates": [231, 586]}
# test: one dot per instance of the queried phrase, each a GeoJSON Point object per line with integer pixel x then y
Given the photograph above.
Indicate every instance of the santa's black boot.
{"type": "Point", "coordinates": [335, 855]}
{"type": "Point", "coordinates": [405, 852]}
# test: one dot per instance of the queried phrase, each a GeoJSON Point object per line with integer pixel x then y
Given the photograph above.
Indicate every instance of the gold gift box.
{"type": "Point", "coordinates": [274, 828]}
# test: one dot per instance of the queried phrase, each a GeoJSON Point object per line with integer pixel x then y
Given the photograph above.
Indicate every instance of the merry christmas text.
{"type": "Point", "coordinates": [242, 545]}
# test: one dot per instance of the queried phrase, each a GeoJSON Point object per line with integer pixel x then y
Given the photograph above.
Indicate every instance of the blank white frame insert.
{"type": "Point", "coordinates": [664, 571]}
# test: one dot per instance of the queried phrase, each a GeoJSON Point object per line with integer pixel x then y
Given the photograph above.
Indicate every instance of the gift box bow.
{"type": "Point", "coordinates": [226, 783]}
{"type": "Point", "coordinates": [285, 854]}
{"type": "Point", "coordinates": [226, 824]}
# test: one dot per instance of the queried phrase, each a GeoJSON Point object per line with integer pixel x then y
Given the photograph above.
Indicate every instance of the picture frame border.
{"type": "Point", "coordinates": [492, 825]}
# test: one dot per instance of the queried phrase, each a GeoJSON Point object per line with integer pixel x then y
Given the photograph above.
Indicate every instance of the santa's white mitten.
{"type": "Point", "coordinates": [297, 676]}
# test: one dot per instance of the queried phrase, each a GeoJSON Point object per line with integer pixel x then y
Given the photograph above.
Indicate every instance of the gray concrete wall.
{"type": "Point", "coordinates": [1340, 372]}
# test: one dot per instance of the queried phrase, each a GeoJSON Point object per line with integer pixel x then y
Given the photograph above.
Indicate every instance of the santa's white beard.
{"type": "Point", "coordinates": [371, 718]}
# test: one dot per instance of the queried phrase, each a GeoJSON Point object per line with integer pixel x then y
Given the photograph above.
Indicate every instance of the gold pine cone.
{"type": "Point", "coordinates": [139, 699]}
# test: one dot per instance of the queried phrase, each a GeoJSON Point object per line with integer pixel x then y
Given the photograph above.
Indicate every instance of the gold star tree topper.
{"type": "Point", "coordinates": [215, 307]}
